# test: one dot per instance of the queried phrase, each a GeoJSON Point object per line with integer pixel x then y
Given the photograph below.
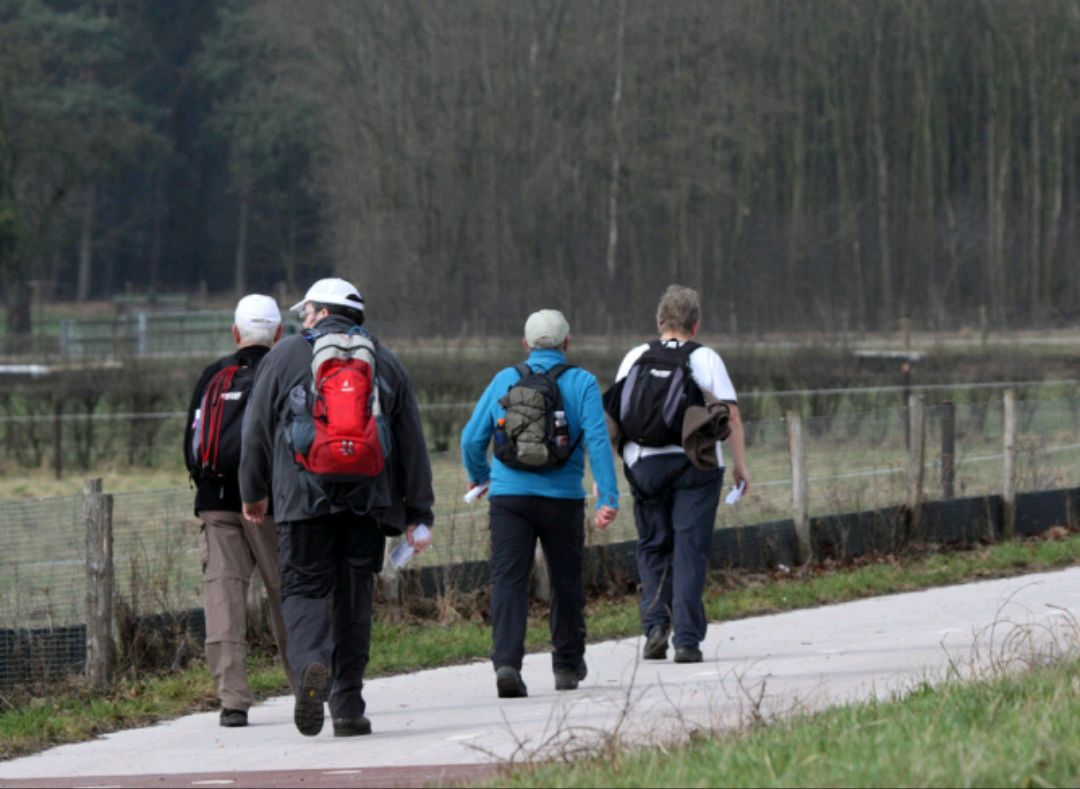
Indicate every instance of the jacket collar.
{"type": "Point", "coordinates": [252, 354]}
{"type": "Point", "coordinates": [545, 358]}
{"type": "Point", "coordinates": [333, 324]}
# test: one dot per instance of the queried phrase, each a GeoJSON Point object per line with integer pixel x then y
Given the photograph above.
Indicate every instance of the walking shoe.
{"type": "Point", "coordinates": [509, 683]}
{"type": "Point", "coordinates": [655, 643]}
{"type": "Point", "coordinates": [687, 655]}
{"type": "Point", "coordinates": [308, 714]}
{"type": "Point", "coordinates": [568, 678]}
{"type": "Point", "coordinates": [233, 718]}
{"type": "Point", "coordinates": [352, 727]}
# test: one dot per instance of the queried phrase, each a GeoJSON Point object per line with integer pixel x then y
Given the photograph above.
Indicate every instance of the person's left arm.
{"type": "Point", "coordinates": [594, 426]}
{"type": "Point", "coordinates": [417, 492]}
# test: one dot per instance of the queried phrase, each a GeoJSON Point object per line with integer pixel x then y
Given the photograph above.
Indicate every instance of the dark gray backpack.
{"type": "Point", "coordinates": [534, 434]}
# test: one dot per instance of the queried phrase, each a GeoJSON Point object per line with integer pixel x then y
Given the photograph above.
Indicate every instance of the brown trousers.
{"type": "Point", "coordinates": [231, 549]}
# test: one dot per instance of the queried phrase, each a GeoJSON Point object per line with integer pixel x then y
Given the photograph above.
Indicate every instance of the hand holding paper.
{"type": "Point", "coordinates": [736, 492]}
{"type": "Point", "coordinates": [475, 492]}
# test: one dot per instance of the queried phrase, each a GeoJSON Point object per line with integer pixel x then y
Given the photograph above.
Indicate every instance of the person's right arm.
{"type": "Point", "coordinates": [715, 379]}
{"type": "Point", "coordinates": [477, 433]}
{"type": "Point", "coordinates": [736, 442]}
{"type": "Point", "coordinates": [257, 436]}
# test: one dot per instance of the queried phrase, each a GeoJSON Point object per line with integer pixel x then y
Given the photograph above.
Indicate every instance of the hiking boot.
{"type": "Point", "coordinates": [352, 727]}
{"type": "Point", "coordinates": [568, 678]}
{"type": "Point", "coordinates": [655, 643]}
{"type": "Point", "coordinates": [687, 655]}
{"type": "Point", "coordinates": [231, 718]}
{"type": "Point", "coordinates": [308, 714]}
{"type": "Point", "coordinates": [509, 683]}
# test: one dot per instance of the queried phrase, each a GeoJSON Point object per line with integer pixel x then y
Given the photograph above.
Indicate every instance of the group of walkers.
{"type": "Point", "coordinates": [307, 453]}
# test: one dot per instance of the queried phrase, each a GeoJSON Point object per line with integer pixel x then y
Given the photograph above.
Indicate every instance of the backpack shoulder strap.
{"type": "Point", "coordinates": [688, 348]}
{"type": "Point", "coordinates": [523, 370]}
{"type": "Point", "coordinates": [558, 370]}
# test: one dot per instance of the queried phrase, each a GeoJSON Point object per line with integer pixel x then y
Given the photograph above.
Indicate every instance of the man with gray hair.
{"type": "Point", "coordinates": [676, 494]}
{"type": "Point", "coordinates": [231, 548]}
{"type": "Point", "coordinates": [543, 415]}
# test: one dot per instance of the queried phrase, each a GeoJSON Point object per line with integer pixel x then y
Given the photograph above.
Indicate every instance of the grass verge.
{"type": "Point", "coordinates": [1011, 731]}
{"type": "Point", "coordinates": [69, 713]}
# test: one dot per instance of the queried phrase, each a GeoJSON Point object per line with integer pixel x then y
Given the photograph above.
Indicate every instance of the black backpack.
{"type": "Point", "coordinates": [655, 394]}
{"type": "Point", "coordinates": [215, 442]}
{"type": "Point", "coordinates": [534, 435]}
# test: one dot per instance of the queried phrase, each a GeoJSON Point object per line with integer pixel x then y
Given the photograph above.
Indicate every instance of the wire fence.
{"type": "Point", "coordinates": [78, 441]}
{"type": "Point", "coordinates": [854, 462]}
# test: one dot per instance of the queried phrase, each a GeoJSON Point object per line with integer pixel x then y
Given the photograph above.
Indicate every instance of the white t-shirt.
{"type": "Point", "coordinates": [709, 373]}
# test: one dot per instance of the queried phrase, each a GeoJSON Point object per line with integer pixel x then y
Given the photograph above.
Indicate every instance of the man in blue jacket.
{"type": "Point", "coordinates": [546, 503]}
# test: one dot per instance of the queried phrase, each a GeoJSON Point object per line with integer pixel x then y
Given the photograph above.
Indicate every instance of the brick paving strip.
{"type": "Point", "coordinates": [358, 778]}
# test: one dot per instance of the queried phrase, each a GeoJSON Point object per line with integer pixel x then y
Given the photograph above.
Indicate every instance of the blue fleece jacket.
{"type": "Point", "coordinates": [584, 412]}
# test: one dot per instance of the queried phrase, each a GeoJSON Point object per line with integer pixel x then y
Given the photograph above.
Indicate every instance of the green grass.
{"type": "Point", "coordinates": [1012, 731]}
{"type": "Point", "coordinates": [69, 713]}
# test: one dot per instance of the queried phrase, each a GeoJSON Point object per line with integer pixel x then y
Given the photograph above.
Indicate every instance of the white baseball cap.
{"type": "Point", "coordinates": [331, 291]}
{"type": "Point", "coordinates": [256, 311]}
{"type": "Point", "coordinates": [546, 329]}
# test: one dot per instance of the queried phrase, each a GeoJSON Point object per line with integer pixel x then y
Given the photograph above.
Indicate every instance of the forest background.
{"type": "Point", "coordinates": [829, 165]}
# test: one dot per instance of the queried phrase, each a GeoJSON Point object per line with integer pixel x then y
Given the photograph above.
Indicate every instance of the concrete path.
{"type": "Point", "coordinates": [447, 724]}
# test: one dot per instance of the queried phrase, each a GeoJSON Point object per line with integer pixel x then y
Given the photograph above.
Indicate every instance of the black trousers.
{"type": "Point", "coordinates": [516, 523]}
{"type": "Point", "coordinates": [328, 568]}
{"type": "Point", "coordinates": [675, 514]}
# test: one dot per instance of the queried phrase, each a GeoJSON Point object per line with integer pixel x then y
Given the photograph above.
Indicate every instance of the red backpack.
{"type": "Point", "coordinates": [338, 435]}
{"type": "Point", "coordinates": [215, 440]}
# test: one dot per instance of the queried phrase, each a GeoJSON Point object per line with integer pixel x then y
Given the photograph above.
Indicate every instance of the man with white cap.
{"type": "Point", "coordinates": [232, 548]}
{"type": "Point", "coordinates": [331, 541]}
{"type": "Point", "coordinates": [536, 492]}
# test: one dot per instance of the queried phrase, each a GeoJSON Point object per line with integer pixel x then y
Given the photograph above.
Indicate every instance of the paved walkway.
{"type": "Point", "coordinates": [447, 724]}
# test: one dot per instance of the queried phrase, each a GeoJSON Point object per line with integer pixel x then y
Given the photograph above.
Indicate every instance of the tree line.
{"type": "Point", "coordinates": [836, 165]}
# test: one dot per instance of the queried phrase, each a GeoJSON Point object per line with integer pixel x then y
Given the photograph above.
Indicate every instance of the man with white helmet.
{"type": "Point", "coordinates": [334, 435]}
{"type": "Point", "coordinates": [231, 548]}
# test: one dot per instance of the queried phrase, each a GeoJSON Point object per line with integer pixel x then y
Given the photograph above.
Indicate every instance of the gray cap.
{"type": "Point", "coordinates": [546, 329]}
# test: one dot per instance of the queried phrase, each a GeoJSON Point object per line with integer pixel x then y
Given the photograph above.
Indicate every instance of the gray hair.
{"type": "Point", "coordinates": [679, 309]}
{"type": "Point", "coordinates": [257, 335]}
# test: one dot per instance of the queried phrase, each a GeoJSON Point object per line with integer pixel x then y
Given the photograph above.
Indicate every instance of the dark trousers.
{"type": "Point", "coordinates": [328, 567]}
{"type": "Point", "coordinates": [675, 513]}
{"type": "Point", "coordinates": [516, 523]}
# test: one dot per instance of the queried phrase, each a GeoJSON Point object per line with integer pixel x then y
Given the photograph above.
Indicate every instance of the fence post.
{"type": "Point", "coordinates": [65, 336]}
{"type": "Point", "coordinates": [539, 583]}
{"type": "Point", "coordinates": [97, 509]}
{"type": "Point", "coordinates": [1008, 483]}
{"type": "Point", "coordinates": [800, 490]}
{"type": "Point", "coordinates": [141, 325]}
{"type": "Point", "coordinates": [58, 444]}
{"type": "Point", "coordinates": [948, 450]}
{"type": "Point", "coordinates": [916, 462]}
{"type": "Point", "coordinates": [389, 581]}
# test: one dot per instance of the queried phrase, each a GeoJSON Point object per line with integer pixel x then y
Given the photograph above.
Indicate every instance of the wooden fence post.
{"type": "Point", "coordinates": [389, 582]}
{"type": "Point", "coordinates": [948, 450]}
{"type": "Point", "coordinates": [539, 582]}
{"type": "Point", "coordinates": [97, 510]}
{"type": "Point", "coordinates": [1008, 483]}
{"type": "Point", "coordinates": [800, 489]}
{"type": "Point", "coordinates": [916, 463]}
{"type": "Point", "coordinates": [58, 443]}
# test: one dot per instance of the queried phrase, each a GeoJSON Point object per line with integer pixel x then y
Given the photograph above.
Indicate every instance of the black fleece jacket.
{"type": "Point", "coordinates": [266, 463]}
